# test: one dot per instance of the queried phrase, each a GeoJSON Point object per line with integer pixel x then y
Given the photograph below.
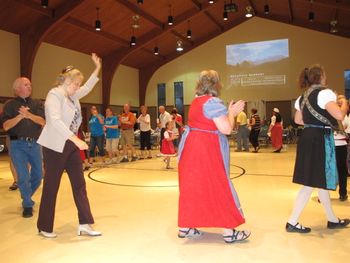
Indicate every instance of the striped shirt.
{"type": "Point", "coordinates": [257, 124]}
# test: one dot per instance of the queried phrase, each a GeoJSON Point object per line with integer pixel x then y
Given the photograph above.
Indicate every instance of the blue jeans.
{"type": "Point", "coordinates": [27, 159]}
{"type": "Point", "coordinates": [99, 142]}
{"type": "Point", "coordinates": [242, 135]}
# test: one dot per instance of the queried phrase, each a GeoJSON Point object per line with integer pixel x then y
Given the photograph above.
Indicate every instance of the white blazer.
{"type": "Point", "coordinates": [59, 114]}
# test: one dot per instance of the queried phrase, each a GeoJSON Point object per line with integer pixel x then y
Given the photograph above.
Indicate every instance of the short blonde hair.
{"type": "Point", "coordinates": [208, 83]}
{"type": "Point", "coordinates": [69, 72]}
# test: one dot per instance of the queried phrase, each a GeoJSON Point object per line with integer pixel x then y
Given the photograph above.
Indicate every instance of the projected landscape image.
{"type": "Point", "coordinates": [258, 63]}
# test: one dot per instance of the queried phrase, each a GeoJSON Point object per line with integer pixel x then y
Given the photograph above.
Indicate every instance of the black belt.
{"type": "Point", "coordinates": [27, 139]}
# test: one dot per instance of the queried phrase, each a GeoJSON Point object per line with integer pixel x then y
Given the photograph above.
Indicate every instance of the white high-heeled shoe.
{"type": "Point", "coordinates": [47, 234]}
{"type": "Point", "coordinates": [87, 229]}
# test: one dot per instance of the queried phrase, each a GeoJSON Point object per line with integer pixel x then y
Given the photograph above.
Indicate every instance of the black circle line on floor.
{"type": "Point", "coordinates": [158, 186]}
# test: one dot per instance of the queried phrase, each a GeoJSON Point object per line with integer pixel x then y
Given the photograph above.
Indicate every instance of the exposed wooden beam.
{"type": "Point", "coordinates": [149, 37]}
{"type": "Point", "coordinates": [290, 11]}
{"type": "Point", "coordinates": [90, 28]}
{"type": "Point", "coordinates": [183, 38]}
{"type": "Point", "coordinates": [32, 37]}
{"type": "Point", "coordinates": [197, 4]}
{"type": "Point", "coordinates": [344, 5]}
{"type": "Point", "coordinates": [212, 19]}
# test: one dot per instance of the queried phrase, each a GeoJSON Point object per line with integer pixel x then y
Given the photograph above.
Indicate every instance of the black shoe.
{"type": "Point", "coordinates": [27, 212]}
{"type": "Point", "coordinates": [340, 224]}
{"type": "Point", "coordinates": [133, 159]}
{"type": "Point", "coordinates": [297, 228]}
{"type": "Point", "coordinates": [124, 160]}
{"type": "Point", "coordinates": [343, 198]}
{"type": "Point", "coordinates": [278, 150]}
{"type": "Point", "coordinates": [13, 186]}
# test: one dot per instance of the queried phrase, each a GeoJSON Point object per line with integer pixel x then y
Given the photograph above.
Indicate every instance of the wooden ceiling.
{"type": "Point", "coordinates": [71, 24]}
{"type": "Point", "coordinates": [76, 31]}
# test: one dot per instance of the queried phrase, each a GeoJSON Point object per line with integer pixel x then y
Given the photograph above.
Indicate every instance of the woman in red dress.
{"type": "Point", "coordinates": [207, 197]}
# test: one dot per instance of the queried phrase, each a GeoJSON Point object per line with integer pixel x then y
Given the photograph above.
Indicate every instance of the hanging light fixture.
{"type": "Point", "coordinates": [179, 47]}
{"type": "Point", "coordinates": [156, 51]}
{"type": "Point", "coordinates": [211, 1]}
{"type": "Point", "coordinates": [170, 17]}
{"type": "Point", "coordinates": [333, 26]}
{"type": "Point", "coordinates": [97, 22]}
{"type": "Point", "coordinates": [189, 31]}
{"type": "Point", "coordinates": [249, 11]}
{"type": "Point", "coordinates": [225, 15]}
{"type": "Point", "coordinates": [45, 3]}
{"type": "Point", "coordinates": [140, 2]}
{"type": "Point", "coordinates": [266, 9]}
{"type": "Point", "coordinates": [132, 41]}
{"type": "Point", "coordinates": [311, 16]}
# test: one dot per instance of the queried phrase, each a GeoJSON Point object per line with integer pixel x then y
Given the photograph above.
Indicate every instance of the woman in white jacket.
{"type": "Point", "coordinates": [61, 148]}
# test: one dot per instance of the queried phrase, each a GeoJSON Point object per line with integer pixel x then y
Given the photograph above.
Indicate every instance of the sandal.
{"type": "Point", "coordinates": [237, 236]}
{"type": "Point", "coordinates": [189, 233]}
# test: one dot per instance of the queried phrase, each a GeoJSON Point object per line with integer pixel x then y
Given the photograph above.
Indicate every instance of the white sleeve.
{"type": "Point", "coordinates": [273, 120]}
{"type": "Point", "coordinates": [166, 135]}
{"type": "Point", "coordinates": [325, 96]}
{"type": "Point", "coordinates": [297, 104]}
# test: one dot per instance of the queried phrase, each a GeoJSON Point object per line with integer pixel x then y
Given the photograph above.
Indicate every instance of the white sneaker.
{"type": "Point", "coordinates": [115, 160]}
{"type": "Point", "coordinates": [47, 234]}
{"type": "Point", "coordinates": [87, 229]}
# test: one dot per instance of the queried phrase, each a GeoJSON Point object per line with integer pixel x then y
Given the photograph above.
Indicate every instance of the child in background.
{"type": "Point", "coordinates": [168, 149]}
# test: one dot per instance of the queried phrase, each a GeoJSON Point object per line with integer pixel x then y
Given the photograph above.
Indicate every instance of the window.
{"type": "Point", "coordinates": [179, 97]}
{"type": "Point", "coordinates": [161, 94]}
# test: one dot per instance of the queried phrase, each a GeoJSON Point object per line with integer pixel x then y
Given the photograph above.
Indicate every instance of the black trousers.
{"type": "Point", "coordinates": [254, 138]}
{"type": "Point", "coordinates": [341, 154]}
{"type": "Point", "coordinates": [145, 140]}
{"type": "Point", "coordinates": [162, 130]}
{"type": "Point", "coordinates": [55, 163]}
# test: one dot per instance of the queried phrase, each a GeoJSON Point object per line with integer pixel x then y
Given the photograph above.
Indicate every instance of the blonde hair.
{"type": "Point", "coordinates": [71, 73]}
{"type": "Point", "coordinates": [208, 83]}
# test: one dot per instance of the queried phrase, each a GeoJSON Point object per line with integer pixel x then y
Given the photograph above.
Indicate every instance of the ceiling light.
{"type": "Point", "coordinates": [249, 11]}
{"type": "Point", "coordinates": [97, 22]}
{"type": "Point", "coordinates": [179, 47]}
{"type": "Point", "coordinates": [211, 1]}
{"type": "Point", "coordinates": [135, 24]}
{"type": "Point", "coordinates": [333, 28]}
{"type": "Point", "coordinates": [156, 51]}
{"type": "Point", "coordinates": [45, 3]}
{"type": "Point", "coordinates": [189, 31]}
{"type": "Point", "coordinates": [225, 16]}
{"type": "Point", "coordinates": [170, 17]}
{"type": "Point", "coordinates": [140, 2]}
{"type": "Point", "coordinates": [266, 9]}
{"type": "Point", "coordinates": [170, 20]}
{"type": "Point", "coordinates": [231, 7]}
{"type": "Point", "coordinates": [133, 41]}
{"type": "Point", "coordinates": [311, 16]}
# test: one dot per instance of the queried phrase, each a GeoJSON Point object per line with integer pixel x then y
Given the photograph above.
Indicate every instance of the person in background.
{"type": "Point", "coordinates": [84, 159]}
{"type": "Point", "coordinates": [112, 136]}
{"type": "Point", "coordinates": [145, 133]}
{"type": "Point", "coordinates": [61, 147]}
{"type": "Point", "coordinates": [242, 132]}
{"type": "Point", "coordinates": [127, 121]}
{"type": "Point", "coordinates": [207, 196]}
{"type": "Point", "coordinates": [315, 165]}
{"type": "Point", "coordinates": [255, 125]}
{"type": "Point", "coordinates": [168, 149]}
{"type": "Point", "coordinates": [177, 124]}
{"type": "Point", "coordinates": [23, 118]}
{"type": "Point", "coordinates": [97, 136]}
{"type": "Point", "coordinates": [164, 117]}
{"type": "Point", "coordinates": [276, 130]}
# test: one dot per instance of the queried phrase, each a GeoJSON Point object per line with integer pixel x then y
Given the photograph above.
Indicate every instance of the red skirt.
{"type": "Point", "coordinates": [167, 147]}
{"type": "Point", "coordinates": [276, 136]}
